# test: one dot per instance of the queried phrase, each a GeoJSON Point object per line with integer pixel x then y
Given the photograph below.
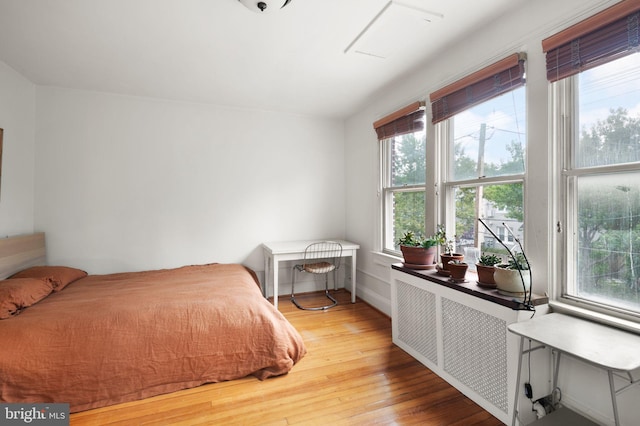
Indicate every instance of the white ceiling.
{"type": "Point", "coordinates": [217, 51]}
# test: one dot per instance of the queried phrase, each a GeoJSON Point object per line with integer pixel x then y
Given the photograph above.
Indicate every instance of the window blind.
{"type": "Point", "coordinates": [489, 82]}
{"type": "Point", "coordinates": [406, 120]}
{"type": "Point", "coordinates": [604, 37]}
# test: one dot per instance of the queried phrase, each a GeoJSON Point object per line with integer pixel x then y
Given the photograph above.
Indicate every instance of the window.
{"type": "Point", "coordinates": [403, 169]}
{"type": "Point", "coordinates": [485, 146]}
{"type": "Point", "coordinates": [602, 184]}
{"type": "Point", "coordinates": [598, 141]}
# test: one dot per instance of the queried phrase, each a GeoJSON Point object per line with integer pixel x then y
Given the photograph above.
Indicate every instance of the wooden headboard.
{"type": "Point", "coordinates": [20, 252]}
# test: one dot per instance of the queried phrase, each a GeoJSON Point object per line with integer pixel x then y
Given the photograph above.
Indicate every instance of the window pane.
{"type": "Point", "coordinates": [608, 240]}
{"type": "Point", "coordinates": [408, 162]}
{"type": "Point", "coordinates": [408, 215]}
{"type": "Point", "coordinates": [490, 139]}
{"type": "Point", "coordinates": [501, 206]}
{"type": "Point", "coordinates": [609, 115]}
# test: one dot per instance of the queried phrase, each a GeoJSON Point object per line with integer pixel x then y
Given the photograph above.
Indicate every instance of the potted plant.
{"type": "Point", "coordinates": [485, 267]}
{"type": "Point", "coordinates": [447, 246]}
{"type": "Point", "coordinates": [513, 278]}
{"type": "Point", "coordinates": [418, 253]}
{"type": "Point", "coordinates": [458, 270]}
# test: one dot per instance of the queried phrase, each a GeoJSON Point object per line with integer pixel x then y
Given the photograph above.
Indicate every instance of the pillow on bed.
{"type": "Point", "coordinates": [58, 276]}
{"type": "Point", "coordinates": [20, 293]}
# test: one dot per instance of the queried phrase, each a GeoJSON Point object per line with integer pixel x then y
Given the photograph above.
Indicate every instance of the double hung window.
{"type": "Point", "coordinates": [481, 128]}
{"type": "Point", "coordinates": [403, 170]}
{"type": "Point", "coordinates": [595, 70]}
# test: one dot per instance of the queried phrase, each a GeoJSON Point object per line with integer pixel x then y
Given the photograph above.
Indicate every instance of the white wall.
{"type": "Point", "coordinates": [17, 118]}
{"type": "Point", "coordinates": [125, 183]}
{"type": "Point", "coordinates": [526, 28]}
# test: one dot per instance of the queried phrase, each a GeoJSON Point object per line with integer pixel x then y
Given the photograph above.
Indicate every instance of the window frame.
{"type": "Point", "coordinates": [489, 82]}
{"type": "Point", "coordinates": [594, 41]}
{"type": "Point", "coordinates": [565, 135]}
{"type": "Point", "coordinates": [447, 200]}
{"type": "Point", "coordinates": [387, 191]}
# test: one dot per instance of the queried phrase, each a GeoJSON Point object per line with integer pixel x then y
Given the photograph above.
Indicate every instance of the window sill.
{"type": "Point", "coordinates": [588, 314]}
{"type": "Point", "coordinates": [472, 288]}
{"type": "Point", "coordinates": [385, 259]}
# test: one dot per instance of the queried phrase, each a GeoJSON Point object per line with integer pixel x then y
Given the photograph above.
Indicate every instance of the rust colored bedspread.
{"type": "Point", "coordinates": [107, 339]}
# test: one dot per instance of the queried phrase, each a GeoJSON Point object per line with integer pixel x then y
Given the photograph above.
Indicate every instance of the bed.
{"type": "Point", "coordinates": [99, 340]}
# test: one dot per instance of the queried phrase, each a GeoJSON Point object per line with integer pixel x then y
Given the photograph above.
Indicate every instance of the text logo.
{"type": "Point", "coordinates": [34, 414]}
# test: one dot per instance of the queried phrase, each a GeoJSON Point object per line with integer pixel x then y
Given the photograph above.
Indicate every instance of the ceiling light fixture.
{"type": "Point", "coordinates": [264, 6]}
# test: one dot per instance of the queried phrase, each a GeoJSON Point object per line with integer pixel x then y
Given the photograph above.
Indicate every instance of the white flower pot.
{"type": "Point", "coordinates": [509, 282]}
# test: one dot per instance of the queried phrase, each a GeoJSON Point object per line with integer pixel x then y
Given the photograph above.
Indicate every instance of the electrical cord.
{"type": "Point", "coordinates": [528, 389]}
{"type": "Point", "coordinates": [524, 304]}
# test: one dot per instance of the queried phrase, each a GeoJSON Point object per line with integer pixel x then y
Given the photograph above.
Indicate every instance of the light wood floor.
{"type": "Point", "coordinates": [351, 375]}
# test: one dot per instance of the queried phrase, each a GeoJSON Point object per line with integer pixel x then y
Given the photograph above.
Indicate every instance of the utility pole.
{"type": "Point", "coordinates": [479, 191]}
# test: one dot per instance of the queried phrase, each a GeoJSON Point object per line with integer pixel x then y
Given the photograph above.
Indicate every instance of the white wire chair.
{"type": "Point", "coordinates": [319, 258]}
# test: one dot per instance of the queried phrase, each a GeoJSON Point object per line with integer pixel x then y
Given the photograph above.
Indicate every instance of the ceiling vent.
{"type": "Point", "coordinates": [397, 24]}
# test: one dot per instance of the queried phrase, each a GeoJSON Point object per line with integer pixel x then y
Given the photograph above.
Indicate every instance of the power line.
{"type": "Point", "coordinates": [475, 135]}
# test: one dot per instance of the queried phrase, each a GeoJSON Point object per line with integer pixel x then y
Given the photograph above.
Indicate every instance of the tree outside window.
{"type": "Point", "coordinates": [487, 156]}
{"type": "Point", "coordinates": [603, 178]}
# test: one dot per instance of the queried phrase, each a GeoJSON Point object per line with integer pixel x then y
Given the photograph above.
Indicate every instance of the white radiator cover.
{"type": "Point", "coordinates": [417, 320]}
{"type": "Point", "coordinates": [462, 338]}
{"type": "Point", "coordinates": [474, 346]}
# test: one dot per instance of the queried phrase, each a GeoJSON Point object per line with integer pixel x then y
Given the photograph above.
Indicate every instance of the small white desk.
{"type": "Point", "coordinates": [275, 252]}
{"type": "Point", "coordinates": [599, 345]}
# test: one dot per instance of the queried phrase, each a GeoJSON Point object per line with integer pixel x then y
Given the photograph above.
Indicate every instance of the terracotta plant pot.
{"type": "Point", "coordinates": [508, 281]}
{"type": "Point", "coordinates": [458, 271]}
{"type": "Point", "coordinates": [446, 257]}
{"type": "Point", "coordinates": [485, 274]}
{"type": "Point", "coordinates": [418, 257]}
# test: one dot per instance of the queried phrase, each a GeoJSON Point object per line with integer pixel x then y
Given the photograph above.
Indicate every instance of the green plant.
{"type": "Point", "coordinates": [489, 259]}
{"type": "Point", "coordinates": [428, 242]}
{"type": "Point", "coordinates": [408, 239]}
{"type": "Point", "coordinates": [442, 240]}
{"type": "Point", "coordinates": [411, 240]}
{"type": "Point", "coordinates": [518, 262]}
{"type": "Point", "coordinates": [457, 262]}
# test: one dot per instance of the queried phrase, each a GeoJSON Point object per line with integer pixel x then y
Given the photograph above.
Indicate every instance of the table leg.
{"type": "Point", "coordinates": [353, 277]}
{"type": "Point", "coordinates": [275, 281]}
{"type": "Point", "coordinates": [514, 417]}
{"type": "Point", "coordinates": [556, 370]}
{"type": "Point", "coordinates": [265, 281]}
{"type": "Point", "coordinates": [613, 398]}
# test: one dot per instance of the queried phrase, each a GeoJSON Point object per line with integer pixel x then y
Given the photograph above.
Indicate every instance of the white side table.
{"type": "Point", "coordinates": [605, 347]}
